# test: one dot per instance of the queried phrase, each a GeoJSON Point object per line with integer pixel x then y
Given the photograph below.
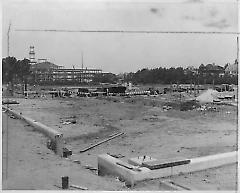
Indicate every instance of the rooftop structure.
{"type": "Point", "coordinates": [232, 69]}
{"type": "Point", "coordinates": [32, 55]}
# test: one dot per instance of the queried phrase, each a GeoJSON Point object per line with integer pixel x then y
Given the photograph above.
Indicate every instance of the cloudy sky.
{"type": "Point", "coordinates": [122, 52]}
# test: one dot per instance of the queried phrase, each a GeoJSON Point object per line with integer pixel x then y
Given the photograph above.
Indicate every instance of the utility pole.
{"type": "Point", "coordinates": [237, 48]}
{"type": "Point", "coordinates": [82, 60]}
{"type": "Point", "coordinates": [8, 54]}
{"type": "Point", "coordinates": [237, 94]}
{"type": "Point", "coordinates": [237, 59]}
{"type": "Point", "coordinates": [8, 38]}
{"type": "Point", "coordinates": [82, 69]}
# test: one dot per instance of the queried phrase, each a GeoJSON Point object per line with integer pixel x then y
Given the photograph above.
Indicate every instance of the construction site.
{"type": "Point", "coordinates": [121, 138]}
{"type": "Point", "coordinates": [153, 106]}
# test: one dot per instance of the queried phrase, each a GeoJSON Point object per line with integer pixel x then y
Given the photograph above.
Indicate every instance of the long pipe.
{"type": "Point", "coordinates": [92, 146]}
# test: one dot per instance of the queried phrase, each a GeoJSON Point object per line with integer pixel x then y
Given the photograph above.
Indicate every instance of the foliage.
{"type": "Point", "coordinates": [15, 71]}
{"type": "Point", "coordinates": [105, 78]}
{"type": "Point", "coordinates": [23, 68]}
{"type": "Point", "coordinates": [9, 66]}
{"type": "Point", "coordinates": [202, 75]}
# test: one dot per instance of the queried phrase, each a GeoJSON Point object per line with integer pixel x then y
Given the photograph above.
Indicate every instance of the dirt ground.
{"type": "Point", "coordinates": [149, 130]}
{"type": "Point", "coordinates": [30, 165]}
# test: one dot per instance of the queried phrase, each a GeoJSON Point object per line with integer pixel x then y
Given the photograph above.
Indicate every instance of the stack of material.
{"type": "Point", "coordinates": [7, 101]}
{"type": "Point", "coordinates": [207, 96]}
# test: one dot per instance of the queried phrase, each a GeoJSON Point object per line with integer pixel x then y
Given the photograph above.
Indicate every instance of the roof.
{"type": "Point", "coordinates": [232, 68]}
{"type": "Point", "coordinates": [45, 65]}
{"type": "Point", "coordinates": [211, 68]}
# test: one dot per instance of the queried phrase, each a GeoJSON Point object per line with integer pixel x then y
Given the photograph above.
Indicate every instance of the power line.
{"type": "Point", "coordinates": [128, 31]}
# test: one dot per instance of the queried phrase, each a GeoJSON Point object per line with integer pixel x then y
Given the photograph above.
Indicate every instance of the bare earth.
{"type": "Point", "coordinates": [148, 131]}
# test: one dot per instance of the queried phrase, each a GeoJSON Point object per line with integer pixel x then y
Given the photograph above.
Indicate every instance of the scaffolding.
{"type": "Point", "coordinates": [66, 75]}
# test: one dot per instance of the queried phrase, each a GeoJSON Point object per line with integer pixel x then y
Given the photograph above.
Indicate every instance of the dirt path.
{"type": "Point", "coordinates": [32, 166]}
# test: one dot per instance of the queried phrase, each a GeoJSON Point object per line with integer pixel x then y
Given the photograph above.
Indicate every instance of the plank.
{"type": "Point", "coordinates": [153, 165]}
{"type": "Point", "coordinates": [99, 143]}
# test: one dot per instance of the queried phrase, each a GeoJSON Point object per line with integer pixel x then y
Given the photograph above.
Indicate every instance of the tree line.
{"type": "Point", "coordinates": [178, 76]}
{"type": "Point", "coordinates": [19, 71]}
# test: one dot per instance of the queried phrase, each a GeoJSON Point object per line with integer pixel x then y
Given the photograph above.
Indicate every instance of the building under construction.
{"type": "Point", "coordinates": [44, 71]}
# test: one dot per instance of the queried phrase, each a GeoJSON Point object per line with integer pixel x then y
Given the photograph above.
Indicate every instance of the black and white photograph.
{"type": "Point", "coordinates": [120, 95]}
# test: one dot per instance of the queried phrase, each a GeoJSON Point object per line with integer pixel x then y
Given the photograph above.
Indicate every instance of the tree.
{"type": "Point", "coordinates": [9, 69]}
{"type": "Point", "coordinates": [23, 70]}
{"type": "Point", "coordinates": [15, 71]}
{"type": "Point", "coordinates": [225, 66]}
{"type": "Point", "coordinates": [201, 68]}
{"type": "Point", "coordinates": [105, 78]}
{"type": "Point", "coordinates": [128, 77]}
{"type": "Point", "coordinates": [9, 66]}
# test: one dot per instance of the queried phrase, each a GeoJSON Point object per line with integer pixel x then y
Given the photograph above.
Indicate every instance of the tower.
{"type": "Point", "coordinates": [32, 55]}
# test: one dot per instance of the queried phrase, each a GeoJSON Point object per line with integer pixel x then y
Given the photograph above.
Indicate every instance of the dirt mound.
{"type": "Point", "coordinates": [207, 96]}
{"type": "Point", "coordinates": [183, 105]}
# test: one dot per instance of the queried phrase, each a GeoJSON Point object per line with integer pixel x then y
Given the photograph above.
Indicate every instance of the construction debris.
{"type": "Point", "coordinates": [153, 165]}
{"type": "Point", "coordinates": [58, 186]}
{"type": "Point", "coordinates": [116, 156]}
{"type": "Point", "coordinates": [69, 122]}
{"type": "Point", "coordinates": [99, 143]}
{"type": "Point", "coordinates": [206, 108]}
{"type": "Point", "coordinates": [65, 184]}
{"type": "Point", "coordinates": [77, 161]}
{"type": "Point", "coordinates": [166, 108]}
{"type": "Point", "coordinates": [13, 117]}
{"type": "Point", "coordinates": [4, 102]}
{"type": "Point", "coordinates": [207, 96]}
{"type": "Point", "coordinates": [128, 166]}
{"type": "Point", "coordinates": [172, 186]}
{"type": "Point", "coordinates": [66, 152]}
{"type": "Point", "coordinates": [113, 134]}
{"type": "Point", "coordinates": [51, 145]}
{"type": "Point", "coordinates": [66, 123]}
{"type": "Point", "coordinates": [90, 168]}
{"type": "Point", "coordinates": [78, 187]}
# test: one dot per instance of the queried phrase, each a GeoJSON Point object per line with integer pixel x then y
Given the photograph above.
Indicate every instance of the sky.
{"type": "Point", "coordinates": [122, 52]}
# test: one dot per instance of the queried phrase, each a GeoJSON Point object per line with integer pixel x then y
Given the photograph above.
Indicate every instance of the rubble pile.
{"type": "Point", "coordinates": [206, 108]}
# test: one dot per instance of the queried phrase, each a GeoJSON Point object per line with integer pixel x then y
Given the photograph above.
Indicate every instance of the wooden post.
{"type": "Point", "coordinates": [59, 145]}
{"type": "Point", "coordinates": [65, 182]}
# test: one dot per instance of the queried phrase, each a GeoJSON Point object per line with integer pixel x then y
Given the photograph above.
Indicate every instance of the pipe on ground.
{"type": "Point", "coordinates": [54, 135]}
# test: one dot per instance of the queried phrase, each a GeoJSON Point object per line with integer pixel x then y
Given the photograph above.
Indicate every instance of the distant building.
{"type": "Point", "coordinates": [211, 69]}
{"type": "Point", "coordinates": [44, 71]}
{"type": "Point", "coordinates": [232, 69]}
{"type": "Point", "coordinates": [49, 72]}
{"type": "Point", "coordinates": [191, 69]}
